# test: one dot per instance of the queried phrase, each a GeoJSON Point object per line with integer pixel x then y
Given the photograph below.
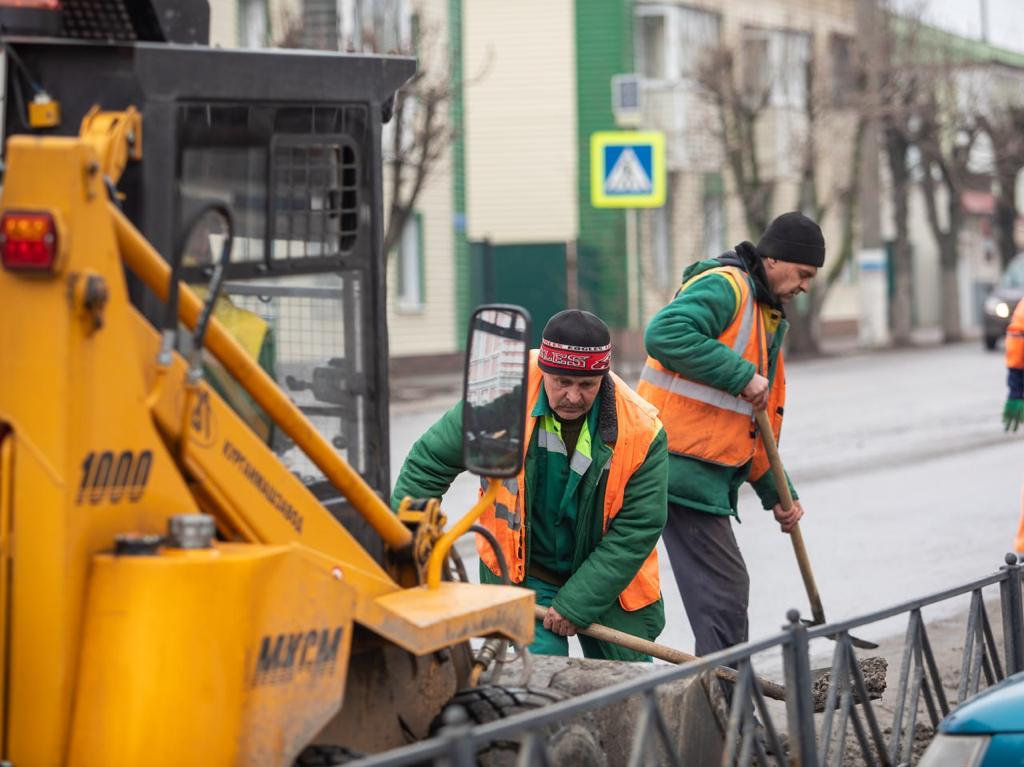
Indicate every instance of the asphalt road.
{"type": "Point", "coordinates": [899, 458]}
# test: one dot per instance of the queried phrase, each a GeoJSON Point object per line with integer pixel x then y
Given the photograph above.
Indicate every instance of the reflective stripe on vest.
{"type": "Point", "coordinates": [686, 388]}
{"type": "Point", "coordinates": [510, 516]}
{"type": "Point", "coordinates": [703, 422]}
{"type": "Point", "coordinates": [638, 425]}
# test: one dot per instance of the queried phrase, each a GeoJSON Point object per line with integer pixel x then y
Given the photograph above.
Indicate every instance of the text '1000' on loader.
{"type": "Point", "coordinates": [198, 566]}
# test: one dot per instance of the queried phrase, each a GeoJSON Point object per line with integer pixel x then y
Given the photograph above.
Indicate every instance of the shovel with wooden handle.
{"type": "Point", "coordinates": [661, 652]}
{"type": "Point", "coordinates": [769, 688]}
{"type": "Point", "coordinates": [786, 501]}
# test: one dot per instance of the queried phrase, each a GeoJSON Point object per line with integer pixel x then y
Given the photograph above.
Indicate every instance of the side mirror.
{"type": "Point", "coordinates": [494, 393]}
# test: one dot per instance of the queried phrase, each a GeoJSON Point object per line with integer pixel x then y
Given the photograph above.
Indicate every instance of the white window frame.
{"type": "Point", "coordinates": [713, 232]}
{"type": "Point", "coordinates": [675, 18]}
{"type": "Point", "coordinates": [662, 252]}
{"type": "Point", "coordinates": [356, 18]}
{"type": "Point", "coordinates": [409, 267]}
{"type": "Point", "coordinates": [253, 31]}
{"type": "Point", "coordinates": [687, 18]}
{"type": "Point", "coordinates": [667, 14]}
{"type": "Point", "coordinates": [786, 70]}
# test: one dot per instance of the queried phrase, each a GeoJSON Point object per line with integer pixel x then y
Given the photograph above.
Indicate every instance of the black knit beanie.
{"type": "Point", "coordinates": [793, 237]}
{"type": "Point", "coordinates": [575, 343]}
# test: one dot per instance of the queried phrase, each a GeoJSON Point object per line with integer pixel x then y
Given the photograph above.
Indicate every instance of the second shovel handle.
{"type": "Point", "coordinates": [817, 611]}
{"type": "Point", "coordinates": [764, 427]}
{"type": "Point", "coordinates": [661, 652]}
{"type": "Point", "coordinates": [786, 501]}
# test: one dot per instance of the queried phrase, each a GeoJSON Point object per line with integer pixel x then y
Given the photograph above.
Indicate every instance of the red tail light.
{"type": "Point", "coordinates": [28, 241]}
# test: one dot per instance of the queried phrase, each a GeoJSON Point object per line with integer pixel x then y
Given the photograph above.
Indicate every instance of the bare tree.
{"type": "Point", "coordinates": [421, 134]}
{"type": "Point", "coordinates": [420, 129]}
{"type": "Point", "coordinates": [1004, 125]}
{"type": "Point", "coordinates": [739, 108]}
{"type": "Point", "coordinates": [944, 163]}
{"type": "Point", "coordinates": [897, 151]}
{"type": "Point", "coordinates": [898, 86]}
{"type": "Point", "coordinates": [805, 325]}
{"type": "Point", "coordinates": [804, 317]}
{"type": "Point", "coordinates": [934, 107]}
{"type": "Point", "coordinates": [947, 130]}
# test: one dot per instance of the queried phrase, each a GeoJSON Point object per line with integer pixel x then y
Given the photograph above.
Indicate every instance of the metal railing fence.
{"type": "Point", "coordinates": [752, 732]}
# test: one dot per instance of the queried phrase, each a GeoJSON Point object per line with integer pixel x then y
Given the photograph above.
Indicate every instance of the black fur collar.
{"type": "Point", "coordinates": [607, 420]}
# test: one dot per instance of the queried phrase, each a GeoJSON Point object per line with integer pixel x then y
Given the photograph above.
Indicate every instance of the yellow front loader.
{"type": "Point", "coordinates": [172, 590]}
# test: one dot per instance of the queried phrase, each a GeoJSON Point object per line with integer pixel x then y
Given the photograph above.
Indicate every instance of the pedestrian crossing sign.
{"type": "Point", "coordinates": [627, 169]}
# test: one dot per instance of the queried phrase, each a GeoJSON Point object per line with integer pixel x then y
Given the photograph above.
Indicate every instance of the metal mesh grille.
{"type": "Point", "coordinates": [290, 174]}
{"type": "Point", "coordinates": [98, 20]}
{"type": "Point", "coordinates": [316, 359]}
{"type": "Point", "coordinates": [316, 198]}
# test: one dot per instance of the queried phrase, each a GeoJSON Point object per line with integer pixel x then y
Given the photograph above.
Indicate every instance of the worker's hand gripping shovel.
{"type": "Point", "coordinates": [786, 500]}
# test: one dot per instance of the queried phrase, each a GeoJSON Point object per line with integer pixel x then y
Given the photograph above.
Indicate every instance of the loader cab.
{"type": "Point", "coordinates": [290, 142]}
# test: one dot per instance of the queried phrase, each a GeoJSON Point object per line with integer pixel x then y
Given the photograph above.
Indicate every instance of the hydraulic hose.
{"type": "Point", "coordinates": [492, 648]}
{"type": "Point", "coordinates": [498, 553]}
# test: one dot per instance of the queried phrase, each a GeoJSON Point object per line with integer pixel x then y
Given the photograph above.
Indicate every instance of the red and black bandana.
{"type": "Point", "coordinates": [574, 360]}
{"type": "Point", "coordinates": [575, 343]}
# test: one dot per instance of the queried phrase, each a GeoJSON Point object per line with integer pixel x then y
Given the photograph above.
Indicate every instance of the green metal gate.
{"type": "Point", "coordinates": [531, 275]}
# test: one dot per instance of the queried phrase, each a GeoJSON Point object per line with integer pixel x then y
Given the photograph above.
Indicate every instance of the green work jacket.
{"type": "Point", "coordinates": [683, 336]}
{"type": "Point", "coordinates": [602, 562]}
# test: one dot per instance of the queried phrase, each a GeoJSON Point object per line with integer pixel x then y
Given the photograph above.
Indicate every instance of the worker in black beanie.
{"type": "Point", "coordinates": [714, 357]}
{"type": "Point", "coordinates": [580, 523]}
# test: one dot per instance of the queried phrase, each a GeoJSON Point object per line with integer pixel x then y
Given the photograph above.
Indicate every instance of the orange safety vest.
{"type": "Point", "coordinates": [1018, 543]}
{"type": "Point", "coordinates": [707, 423]}
{"type": "Point", "coordinates": [638, 425]}
{"type": "Point", "coordinates": [1015, 338]}
{"type": "Point", "coordinates": [1015, 359]}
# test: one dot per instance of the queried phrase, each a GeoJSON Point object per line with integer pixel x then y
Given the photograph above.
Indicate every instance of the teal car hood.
{"type": "Point", "coordinates": [999, 709]}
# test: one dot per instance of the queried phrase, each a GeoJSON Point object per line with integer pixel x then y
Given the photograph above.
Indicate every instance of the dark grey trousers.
{"type": "Point", "coordinates": [711, 576]}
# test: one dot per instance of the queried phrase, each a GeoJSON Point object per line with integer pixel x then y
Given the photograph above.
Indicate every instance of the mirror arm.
{"type": "Point", "coordinates": [444, 543]}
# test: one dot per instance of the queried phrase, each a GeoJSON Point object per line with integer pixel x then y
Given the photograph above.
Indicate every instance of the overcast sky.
{"type": "Point", "coordinates": [1005, 18]}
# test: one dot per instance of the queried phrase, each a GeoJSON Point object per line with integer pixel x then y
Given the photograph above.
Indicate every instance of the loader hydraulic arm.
{"type": "Point", "coordinates": [149, 267]}
{"type": "Point", "coordinates": [116, 137]}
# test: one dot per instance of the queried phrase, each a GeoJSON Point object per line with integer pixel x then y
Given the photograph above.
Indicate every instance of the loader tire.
{"type": "Point", "coordinates": [567, 743]}
{"type": "Point", "coordinates": [491, 702]}
{"type": "Point", "coordinates": [326, 756]}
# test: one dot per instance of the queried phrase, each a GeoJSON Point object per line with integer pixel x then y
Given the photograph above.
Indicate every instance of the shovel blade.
{"type": "Point", "coordinates": [863, 644]}
{"type": "Point", "coordinates": [857, 642]}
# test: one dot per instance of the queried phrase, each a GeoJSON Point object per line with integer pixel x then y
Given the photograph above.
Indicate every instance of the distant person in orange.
{"type": "Point", "coordinates": [1013, 411]}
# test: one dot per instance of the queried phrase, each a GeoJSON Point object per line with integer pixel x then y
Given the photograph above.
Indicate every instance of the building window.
{"type": "Point", "coordinates": [844, 76]}
{"type": "Point", "coordinates": [409, 266]}
{"type": "Point", "coordinates": [698, 35]}
{"type": "Point", "coordinates": [371, 26]}
{"type": "Point", "coordinates": [252, 24]}
{"type": "Point", "coordinates": [651, 48]}
{"type": "Point", "coordinates": [775, 65]}
{"type": "Point", "coordinates": [661, 244]}
{"type": "Point", "coordinates": [713, 244]}
{"type": "Point", "coordinates": [673, 41]}
{"type": "Point", "coordinates": [386, 31]}
{"type": "Point", "coordinates": [756, 76]}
